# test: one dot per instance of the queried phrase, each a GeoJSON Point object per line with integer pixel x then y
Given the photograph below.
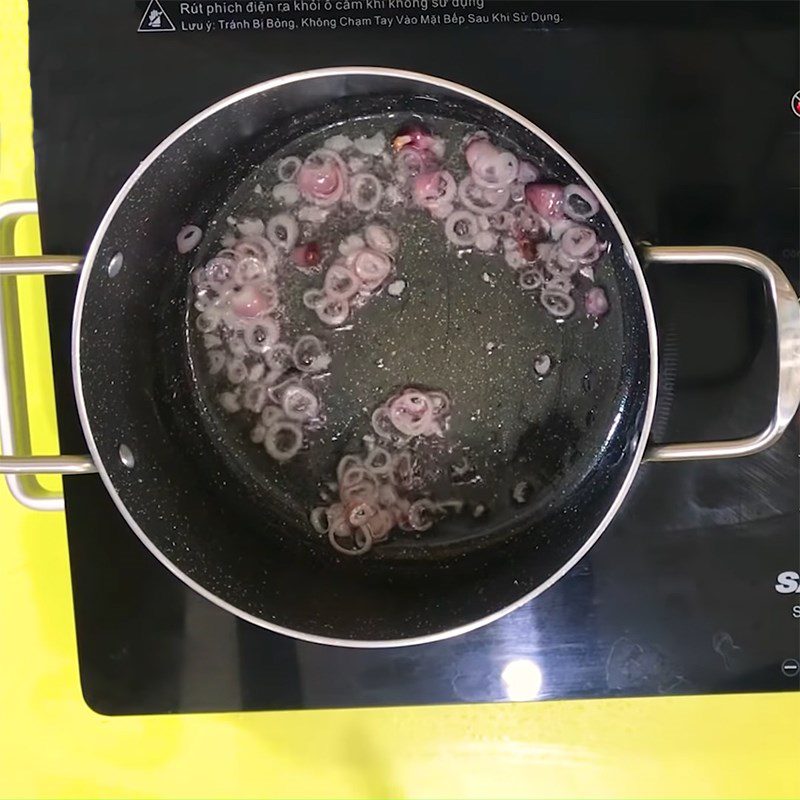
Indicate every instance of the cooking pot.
{"type": "Point", "coordinates": [236, 532]}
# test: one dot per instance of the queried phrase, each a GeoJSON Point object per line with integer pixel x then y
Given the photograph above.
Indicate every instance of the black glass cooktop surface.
{"type": "Point", "coordinates": [682, 113]}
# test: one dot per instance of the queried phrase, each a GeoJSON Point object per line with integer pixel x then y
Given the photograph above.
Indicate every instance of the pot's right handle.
{"type": "Point", "coordinates": [787, 315]}
{"type": "Point", "coordinates": [19, 467]}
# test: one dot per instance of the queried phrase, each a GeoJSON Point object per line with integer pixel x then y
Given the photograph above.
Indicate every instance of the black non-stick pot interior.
{"type": "Point", "coordinates": [236, 523]}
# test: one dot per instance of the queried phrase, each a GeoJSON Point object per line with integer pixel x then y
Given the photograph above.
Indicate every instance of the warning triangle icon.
{"type": "Point", "coordinates": [155, 19]}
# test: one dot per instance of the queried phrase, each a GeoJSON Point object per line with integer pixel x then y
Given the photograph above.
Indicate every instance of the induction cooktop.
{"type": "Point", "coordinates": [682, 113]}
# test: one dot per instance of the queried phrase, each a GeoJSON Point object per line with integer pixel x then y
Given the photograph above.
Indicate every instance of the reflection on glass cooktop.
{"type": "Point", "coordinates": [682, 114]}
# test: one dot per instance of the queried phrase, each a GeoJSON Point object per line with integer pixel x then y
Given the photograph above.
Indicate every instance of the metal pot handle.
{"type": "Point", "coordinates": [20, 469]}
{"type": "Point", "coordinates": [787, 315]}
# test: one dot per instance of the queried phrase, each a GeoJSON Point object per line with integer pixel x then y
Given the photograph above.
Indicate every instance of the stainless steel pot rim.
{"type": "Point", "coordinates": [457, 89]}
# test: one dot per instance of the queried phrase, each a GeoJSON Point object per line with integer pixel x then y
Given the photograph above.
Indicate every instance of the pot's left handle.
{"type": "Point", "coordinates": [16, 463]}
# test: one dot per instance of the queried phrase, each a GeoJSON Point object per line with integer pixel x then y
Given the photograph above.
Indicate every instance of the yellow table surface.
{"type": "Point", "coordinates": [52, 745]}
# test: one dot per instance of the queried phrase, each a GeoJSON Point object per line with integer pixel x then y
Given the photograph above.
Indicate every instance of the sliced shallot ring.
{"type": "Point", "coordinates": [299, 404]}
{"type": "Point", "coordinates": [560, 264]}
{"type": "Point", "coordinates": [288, 168]}
{"type": "Point", "coordinates": [273, 376]}
{"type": "Point", "coordinates": [237, 345]}
{"type": "Point", "coordinates": [401, 514]}
{"type": "Point", "coordinates": [434, 189]}
{"type": "Point", "coordinates": [366, 191]}
{"type": "Point", "coordinates": [270, 415]}
{"type": "Point", "coordinates": [382, 423]}
{"type": "Point", "coordinates": [371, 145]}
{"type": "Point", "coordinates": [189, 236]}
{"type": "Point", "coordinates": [305, 181]}
{"type": "Point", "coordinates": [218, 270]}
{"type": "Point", "coordinates": [281, 430]}
{"type": "Point", "coordinates": [529, 222]}
{"type": "Point", "coordinates": [411, 413]}
{"type": "Point", "coordinates": [357, 164]}
{"type": "Point", "coordinates": [320, 521]}
{"type": "Point", "coordinates": [448, 189]}
{"type": "Point", "coordinates": [283, 231]}
{"type": "Point", "coordinates": [379, 461]}
{"type": "Point", "coordinates": [353, 475]}
{"type": "Point", "coordinates": [338, 520]}
{"type": "Point", "coordinates": [279, 357]}
{"type": "Point", "coordinates": [559, 283]}
{"type": "Point", "coordinates": [365, 491]}
{"type": "Point", "coordinates": [338, 142]}
{"type": "Point", "coordinates": [316, 215]}
{"type": "Point", "coordinates": [479, 147]}
{"type": "Point", "coordinates": [420, 514]}
{"type": "Point", "coordinates": [580, 203]}
{"type": "Point", "coordinates": [558, 226]}
{"type": "Point", "coordinates": [256, 372]}
{"type": "Point", "coordinates": [528, 172]}
{"type": "Point", "coordinates": [387, 495]}
{"type": "Point", "coordinates": [517, 191]}
{"type": "Point", "coordinates": [577, 241]}
{"type": "Point", "coordinates": [471, 203]}
{"type": "Point", "coordinates": [412, 162]}
{"type": "Point", "coordinates": [260, 335]}
{"type": "Point", "coordinates": [547, 199]}
{"type": "Point", "coordinates": [208, 320]}
{"type": "Point", "coordinates": [236, 371]}
{"type": "Point", "coordinates": [485, 240]}
{"type": "Point", "coordinates": [252, 269]}
{"type": "Point", "coordinates": [360, 513]}
{"type": "Point", "coordinates": [254, 397]}
{"type": "Point", "coordinates": [346, 463]}
{"type": "Point", "coordinates": [306, 257]}
{"type": "Point", "coordinates": [358, 550]}
{"type": "Point", "coordinates": [340, 283]}
{"type": "Point", "coordinates": [216, 361]}
{"type": "Point", "coordinates": [593, 254]}
{"type": "Point", "coordinates": [258, 247]}
{"type": "Point", "coordinates": [440, 403]}
{"type": "Point", "coordinates": [211, 340]}
{"type": "Point", "coordinates": [313, 297]}
{"type": "Point", "coordinates": [250, 226]}
{"type": "Point", "coordinates": [286, 193]}
{"type": "Point", "coordinates": [352, 244]}
{"type": "Point", "coordinates": [381, 238]}
{"type": "Point", "coordinates": [252, 302]}
{"type": "Point", "coordinates": [277, 391]}
{"type": "Point", "coordinates": [309, 354]}
{"type": "Point", "coordinates": [371, 267]}
{"type": "Point", "coordinates": [557, 303]}
{"type": "Point", "coordinates": [530, 279]}
{"type": "Point", "coordinates": [380, 525]}
{"type": "Point", "coordinates": [461, 228]}
{"type": "Point", "coordinates": [257, 433]}
{"type": "Point", "coordinates": [230, 402]}
{"type": "Point", "coordinates": [497, 170]}
{"type": "Point", "coordinates": [596, 302]}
